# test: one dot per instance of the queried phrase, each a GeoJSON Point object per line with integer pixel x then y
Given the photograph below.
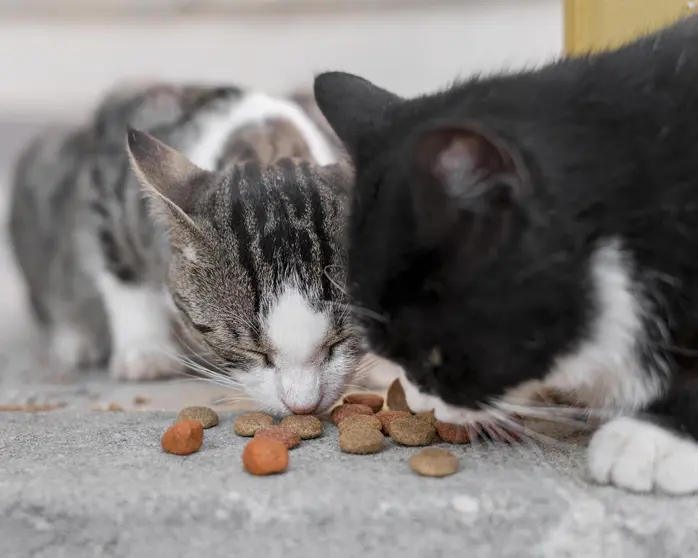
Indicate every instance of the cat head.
{"type": "Point", "coordinates": [257, 270]}
{"type": "Point", "coordinates": [457, 275]}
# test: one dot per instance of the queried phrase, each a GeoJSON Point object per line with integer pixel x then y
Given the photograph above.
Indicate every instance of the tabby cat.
{"type": "Point", "coordinates": [245, 253]}
{"type": "Point", "coordinates": [534, 233]}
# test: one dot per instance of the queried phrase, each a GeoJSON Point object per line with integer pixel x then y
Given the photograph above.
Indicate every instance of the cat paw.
{"type": "Point", "coordinates": [144, 362]}
{"type": "Point", "coordinates": [642, 457]}
{"type": "Point", "coordinates": [71, 350]}
{"type": "Point", "coordinates": [377, 372]}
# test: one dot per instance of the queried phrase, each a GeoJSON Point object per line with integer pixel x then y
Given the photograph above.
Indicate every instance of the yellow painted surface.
{"type": "Point", "coordinates": [592, 25]}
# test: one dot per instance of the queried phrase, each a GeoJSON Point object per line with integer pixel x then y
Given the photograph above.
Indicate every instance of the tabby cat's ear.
{"type": "Point", "coordinates": [170, 179]}
{"type": "Point", "coordinates": [352, 105]}
{"type": "Point", "coordinates": [460, 173]}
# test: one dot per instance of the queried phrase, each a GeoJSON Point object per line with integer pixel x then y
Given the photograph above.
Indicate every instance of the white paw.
{"type": "Point", "coordinates": [144, 362]}
{"type": "Point", "coordinates": [71, 350]}
{"type": "Point", "coordinates": [642, 457]}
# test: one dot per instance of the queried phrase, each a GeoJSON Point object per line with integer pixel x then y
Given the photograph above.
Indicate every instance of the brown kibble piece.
{"type": "Point", "coordinates": [115, 407]}
{"type": "Point", "coordinates": [360, 421]}
{"type": "Point", "coordinates": [372, 400]}
{"type": "Point", "coordinates": [428, 417]}
{"type": "Point", "coordinates": [287, 436]}
{"type": "Point", "coordinates": [395, 398]}
{"type": "Point", "coordinates": [306, 426]}
{"type": "Point", "coordinates": [341, 412]}
{"type": "Point", "coordinates": [207, 416]}
{"type": "Point", "coordinates": [452, 433]}
{"type": "Point", "coordinates": [386, 417]}
{"type": "Point", "coordinates": [410, 431]}
{"type": "Point", "coordinates": [183, 438]}
{"type": "Point", "coordinates": [249, 423]}
{"type": "Point", "coordinates": [264, 456]}
{"type": "Point", "coordinates": [434, 462]}
{"type": "Point", "coordinates": [361, 440]}
{"type": "Point", "coordinates": [141, 400]}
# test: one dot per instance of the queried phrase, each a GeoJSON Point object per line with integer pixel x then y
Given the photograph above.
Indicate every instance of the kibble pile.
{"type": "Point", "coordinates": [361, 419]}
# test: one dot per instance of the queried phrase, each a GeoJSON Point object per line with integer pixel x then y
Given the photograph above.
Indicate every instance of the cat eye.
{"type": "Point", "coordinates": [332, 348]}
{"type": "Point", "coordinates": [201, 328]}
{"type": "Point", "coordinates": [262, 355]}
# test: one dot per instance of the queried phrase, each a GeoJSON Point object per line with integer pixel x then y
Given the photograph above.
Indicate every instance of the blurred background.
{"type": "Point", "coordinates": [58, 57]}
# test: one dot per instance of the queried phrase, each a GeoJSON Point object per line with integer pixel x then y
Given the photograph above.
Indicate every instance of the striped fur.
{"type": "Point", "coordinates": [246, 257]}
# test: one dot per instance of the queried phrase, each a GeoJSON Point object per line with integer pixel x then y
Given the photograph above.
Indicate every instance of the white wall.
{"type": "Point", "coordinates": [50, 67]}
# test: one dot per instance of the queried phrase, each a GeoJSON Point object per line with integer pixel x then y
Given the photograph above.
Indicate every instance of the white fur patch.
{"type": "Point", "coordinates": [605, 370]}
{"type": "Point", "coordinates": [139, 321]}
{"type": "Point", "coordinates": [256, 107]}
{"type": "Point", "coordinates": [642, 457]}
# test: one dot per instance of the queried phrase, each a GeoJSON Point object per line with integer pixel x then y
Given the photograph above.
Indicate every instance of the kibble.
{"type": "Point", "coordinates": [410, 431]}
{"type": "Point", "coordinates": [372, 400]}
{"type": "Point", "coordinates": [249, 423]}
{"type": "Point", "coordinates": [386, 417]}
{"type": "Point", "coordinates": [341, 412]}
{"type": "Point", "coordinates": [452, 433]}
{"type": "Point", "coordinates": [434, 462]}
{"type": "Point", "coordinates": [395, 398]}
{"type": "Point", "coordinates": [428, 417]}
{"type": "Point", "coordinates": [264, 456]}
{"type": "Point", "coordinates": [360, 421]}
{"type": "Point", "coordinates": [361, 440]}
{"type": "Point", "coordinates": [306, 426]}
{"type": "Point", "coordinates": [183, 438]}
{"type": "Point", "coordinates": [207, 416]}
{"type": "Point", "coordinates": [287, 436]}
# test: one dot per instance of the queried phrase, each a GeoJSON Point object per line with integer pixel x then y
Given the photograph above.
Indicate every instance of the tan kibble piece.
{"type": "Point", "coordinates": [264, 456]}
{"type": "Point", "coordinates": [341, 412]}
{"type": "Point", "coordinates": [410, 431]}
{"type": "Point", "coordinates": [386, 417]}
{"type": "Point", "coordinates": [141, 400]}
{"type": "Point", "coordinates": [207, 416]}
{"type": "Point", "coordinates": [360, 421]}
{"type": "Point", "coordinates": [287, 436]}
{"type": "Point", "coordinates": [115, 407]}
{"type": "Point", "coordinates": [249, 423]}
{"type": "Point", "coordinates": [452, 433]}
{"type": "Point", "coordinates": [361, 440]}
{"type": "Point", "coordinates": [428, 417]}
{"type": "Point", "coordinates": [395, 399]}
{"type": "Point", "coordinates": [434, 462]}
{"type": "Point", "coordinates": [306, 426]}
{"type": "Point", "coordinates": [372, 400]}
{"type": "Point", "coordinates": [183, 438]}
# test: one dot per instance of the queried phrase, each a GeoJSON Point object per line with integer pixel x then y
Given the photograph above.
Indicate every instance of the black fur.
{"type": "Point", "coordinates": [489, 261]}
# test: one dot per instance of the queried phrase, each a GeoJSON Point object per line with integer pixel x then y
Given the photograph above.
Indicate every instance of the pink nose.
{"type": "Point", "coordinates": [302, 410]}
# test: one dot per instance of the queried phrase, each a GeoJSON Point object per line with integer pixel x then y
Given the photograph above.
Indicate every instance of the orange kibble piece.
{"type": "Point", "coordinates": [386, 417]}
{"type": "Point", "coordinates": [372, 400]}
{"type": "Point", "coordinates": [265, 456]}
{"type": "Point", "coordinates": [183, 437]}
{"type": "Point", "coordinates": [341, 412]}
{"type": "Point", "coordinates": [452, 433]}
{"type": "Point", "coordinates": [287, 436]}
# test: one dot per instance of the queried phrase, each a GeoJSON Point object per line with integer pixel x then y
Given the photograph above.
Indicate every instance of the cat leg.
{"type": "Point", "coordinates": [140, 320]}
{"type": "Point", "coordinates": [376, 373]}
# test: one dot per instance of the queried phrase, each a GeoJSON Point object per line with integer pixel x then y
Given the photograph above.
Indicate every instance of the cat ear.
{"type": "Point", "coordinates": [352, 105]}
{"type": "Point", "coordinates": [170, 179]}
{"type": "Point", "coordinates": [463, 172]}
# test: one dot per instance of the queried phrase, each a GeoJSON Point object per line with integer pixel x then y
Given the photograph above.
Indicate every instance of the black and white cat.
{"type": "Point", "coordinates": [538, 231]}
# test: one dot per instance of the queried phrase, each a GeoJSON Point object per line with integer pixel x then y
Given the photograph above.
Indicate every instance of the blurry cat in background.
{"type": "Point", "coordinates": [243, 264]}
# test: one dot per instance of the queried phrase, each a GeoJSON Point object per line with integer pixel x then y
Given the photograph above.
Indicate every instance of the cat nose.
{"type": "Point", "coordinates": [301, 409]}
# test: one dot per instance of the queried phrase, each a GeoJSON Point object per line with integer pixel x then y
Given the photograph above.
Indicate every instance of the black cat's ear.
{"type": "Point", "coordinates": [170, 179]}
{"type": "Point", "coordinates": [352, 105]}
{"type": "Point", "coordinates": [460, 169]}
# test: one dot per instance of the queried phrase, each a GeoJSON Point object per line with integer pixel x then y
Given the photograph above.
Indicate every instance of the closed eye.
{"type": "Point", "coordinates": [258, 354]}
{"type": "Point", "coordinates": [334, 347]}
{"type": "Point", "coordinates": [201, 328]}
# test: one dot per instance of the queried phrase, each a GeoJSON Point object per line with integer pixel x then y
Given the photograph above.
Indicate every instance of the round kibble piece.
{"type": "Point", "coordinates": [287, 436]}
{"type": "Point", "coordinates": [395, 399]}
{"type": "Point", "coordinates": [372, 400]}
{"type": "Point", "coordinates": [360, 421]}
{"type": "Point", "coordinates": [207, 416]}
{"type": "Point", "coordinates": [434, 462]}
{"type": "Point", "coordinates": [428, 417]}
{"type": "Point", "coordinates": [306, 426]}
{"type": "Point", "coordinates": [386, 417]}
{"type": "Point", "coordinates": [264, 456]}
{"type": "Point", "coordinates": [341, 412]}
{"type": "Point", "coordinates": [361, 440]}
{"type": "Point", "coordinates": [249, 423]}
{"type": "Point", "coordinates": [452, 433]}
{"type": "Point", "coordinates": [183, 438]}
{"type": "Point", "coordinates": [410, 431]}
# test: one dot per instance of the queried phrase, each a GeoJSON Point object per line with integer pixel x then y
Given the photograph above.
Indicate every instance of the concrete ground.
{"type": "Point", "coordinates": [79, 481]}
